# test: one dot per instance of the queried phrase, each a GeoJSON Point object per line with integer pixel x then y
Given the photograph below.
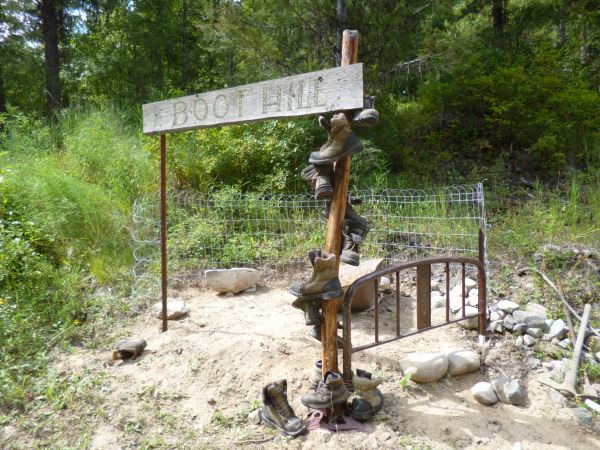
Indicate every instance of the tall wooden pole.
{"type": "Point", "coordinates": [163, 227]}
{"type": "Point", "coordinates": [334, 225]}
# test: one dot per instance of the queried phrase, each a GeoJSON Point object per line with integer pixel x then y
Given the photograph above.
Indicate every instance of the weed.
{"type": "Point", "coordinates": [405, 381]}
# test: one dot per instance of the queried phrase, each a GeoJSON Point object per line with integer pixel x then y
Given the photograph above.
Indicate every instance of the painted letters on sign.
{"type": "Point", "coordinates": [311, 93]}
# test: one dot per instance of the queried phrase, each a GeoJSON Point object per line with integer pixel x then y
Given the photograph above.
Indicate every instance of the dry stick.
{"type": "Point", "coordinates": [255, 441]}
{"type": "Point", "coordinates": [566, 311]}
{"type": "Point", "coordinates": [568, 386]}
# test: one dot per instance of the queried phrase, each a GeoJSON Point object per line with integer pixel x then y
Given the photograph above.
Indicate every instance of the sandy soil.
{"type": "Point", "coordinates": [194, 386]}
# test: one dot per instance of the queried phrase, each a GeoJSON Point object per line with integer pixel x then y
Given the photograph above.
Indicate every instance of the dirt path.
{"type": "Point", "coordinates": [194, 386]}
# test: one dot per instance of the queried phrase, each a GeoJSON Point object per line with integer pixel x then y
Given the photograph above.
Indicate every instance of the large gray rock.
{"type": "Point", "coordinates": [557, 330]}
{"type": "Point", "coordinates": [508, 322]}
{"type": "Point", "coordinates": [175, 309]}
{"type": "Point", "coordinates": [530, 318]}
{"type": "Point", "coordinates": [507, 306]}
{"type": "Point", "coordinates": [508, 390]}
{"type": "Point", "coordinates": [484, 393]}
{"type": "Point", "coordinates": [498, 386]}
{"type": "Point", "coordinates": [537, 308]}
{"type": "Point", "coordinates": [232, 280]}
{"type": "Point", "coordinates": [462, 361]}
{"type": "Point", "coordinates": [468, 324]}
{"type": "Point", "coordinates": [425, 367]}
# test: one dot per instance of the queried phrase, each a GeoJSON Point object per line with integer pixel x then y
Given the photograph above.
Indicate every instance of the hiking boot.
{"type": "Point", "coordinates": [368, 400]}
{"type": "Point", "coordinates": [342, 142]}
{"type": "Point", "coordinates": [311, 308]}
{"type": "Point", "coordinates": [353, 231]}
{"type": "Point", "coordinates": [315, 332]}
{"type": "Point", "coordinates": [318, 177]}
{"type": "Point", "coordinates": [324, 283]}
{"type": "Point", "coordinates": [331, 391]}
{"type": "Point", "coordinates": [128, 348]}
{"type": "Point", "coordinates": [368, 116]}
{"type": "Point", "coordinates": [315, 375]}
{"type": "Point", "coordinates": [277, 412]}
{"type": "Point", "coordinates": [349, 214]}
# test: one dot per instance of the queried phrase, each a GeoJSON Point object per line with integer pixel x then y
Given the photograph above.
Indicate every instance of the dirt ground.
{"type": "Point", "coordinates": [194, 386]}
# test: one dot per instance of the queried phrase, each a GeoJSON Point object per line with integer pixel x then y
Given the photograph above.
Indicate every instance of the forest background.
{"type": "Point", "coordinates": [503, 90]}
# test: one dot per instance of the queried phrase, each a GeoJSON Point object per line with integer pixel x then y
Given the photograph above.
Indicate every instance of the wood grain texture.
{"type": "Point", "coordinates": [327, 90]}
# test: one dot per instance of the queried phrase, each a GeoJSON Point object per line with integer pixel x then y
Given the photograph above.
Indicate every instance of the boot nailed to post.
{"type": "Point", "coordinates": [324, 283]}
{"type": "Point", "coordinates": [342, 142]}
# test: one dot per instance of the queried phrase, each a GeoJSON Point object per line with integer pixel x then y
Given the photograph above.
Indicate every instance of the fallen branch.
{"type": "Point", "coordinates": [566, 312]}
{"type": "Point", "coordinates": [255, 441]}
{"type": "Point", "coordinates": [568, 385]}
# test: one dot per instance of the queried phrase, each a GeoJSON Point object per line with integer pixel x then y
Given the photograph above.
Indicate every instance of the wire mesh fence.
{"type": "Point", "coordinates": [228, 229]}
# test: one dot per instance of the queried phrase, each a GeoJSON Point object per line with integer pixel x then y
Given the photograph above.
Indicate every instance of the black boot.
{"type": "Point", "coordinates": [277, 412]}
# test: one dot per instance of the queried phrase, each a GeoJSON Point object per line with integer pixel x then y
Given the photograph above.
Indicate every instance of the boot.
{"type": "Point", "coordinates": [349, 214]}
{"type": "Point", "coordinates": [318, 177]}
{"type": "Point", "coordinates": [368, 116]}
{"type": "Point", "coordinates": [315, 332]}
{"type": "Point", "coordinates": [315, 375]}
{"type": "Point", "coordinates": [311, 308]}
{"type": "Point", "coordinates": [277, 412]}
{"type": "Point", "coordinates": [353, 231]}
{"type": "Point", "coordinates": [342, 142]}
{"type": "Point", "coordinates": [330, 391]}
{"type": "Point", "coordinates": [368, 400]}
{"type": "Point", "coordinates": [324, 283]}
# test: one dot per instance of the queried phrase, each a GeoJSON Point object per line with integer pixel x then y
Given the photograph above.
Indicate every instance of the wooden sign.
{"type": "Point", "coordinates": [310, 93]}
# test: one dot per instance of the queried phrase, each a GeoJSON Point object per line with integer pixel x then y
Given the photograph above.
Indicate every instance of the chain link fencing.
{"type": "Point", "coordinates": [274, 232]}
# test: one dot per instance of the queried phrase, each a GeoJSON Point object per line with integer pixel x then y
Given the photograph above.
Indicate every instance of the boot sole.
{"type": "Point", "coordinates": [273, 425]}
{"type": "Point", "coordinates": [324, 295]}
{"type": "Point", "coordinates": [351, 151]}
{"type": "Point", "coordinates": [350, 261]}
{"type": "Point", "coordinates": [324, 193]}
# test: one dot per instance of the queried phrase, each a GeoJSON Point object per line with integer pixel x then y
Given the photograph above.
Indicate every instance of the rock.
{"type": "Point", "coordinates": [557, 330]}
{"type": "Point", "coordinates": [535, 332]}
{"type": "Point", "coordinates": [537, 309]}
{"type": "Point", "coordinates": [384, 284]}
{"type": "Point", "coordinates": [437, 300]}
{"type": "Point", "coordinates": [425, 367]}
{"type": "Point", "coordinates": [501, 313]}
{"type": "Point", "coordinates": [254, 417]}
{"type": "Point", "coordinates": [497, 326]}
{"type": "Point", "coordinates": [549, 323]}
{"type": "Point", "coordinates": [436, 286]}
{"type": "Point", "coordinates": [474, 293]}
{"type": "Point", "coordinates": [233, 280]}
{"type": "Point", "coordinates": [519, 328]}
{"type": "Point", "coordinates": [565, 343]}
{"type": "Point", "coordinates": [484, 393]}
{"type": "Point", "coordinates": [596, 427]}
{"type": "Point", "coordinates": [462, 361]}
{"type": "Point", "coordinates": [507, 306]}
{"type": "Point", "coordinates": [533, 363]}
{"type": "Point", "coordinates": [528, 340]}
{"type": "Point", "coordinates": [498, 386]}
{"type": "Point", "coordinates": [530, 319]}
{"type": "Point", "coordinates": [472, 301]}
{"type": "Point", "coordinates": [508, 322]}
{"type": "Point", "coordinates": [582, 414]}
{"type": "Point", "coordinates": [557, 397]}
{"type": "Point", "coordinates": [470, 283]}
{"type": "Point", "coordinates": [175, 309]}
{"type": "Point", "coordinates": [494, 316]}
{"type": "Point", "coordinates": [514, 392]}
{"type": "Point", "coordinates": [519, 341]}
{"type": "Point", "coordinates": [468, 324]}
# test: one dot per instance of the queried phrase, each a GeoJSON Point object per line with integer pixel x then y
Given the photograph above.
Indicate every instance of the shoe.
{"type": "Point", "coordinates": [311, 308]}
{"type": "Point", "coordinates": [277, 412]}
{"type": "Point", "coordinates": [128, 348]}
{"type": "Point", "coordinates": [331, 391]}
{"type": "Point", "coordinates": [315, 332]}
{"type": "Point", "coordinates": [342, 142]}
{"type": "Point", "coordinates": [368, 116]}
{"type": "Point", "coordinates": [368, 400]}
{"type": "Point", "coordinates": [353, 232]}
{"type": "Point", "coordinates": [324, 283]}
{"type": "Point", "coordinates": [318, 177]}
{"type": "Point", "coordinates": [315, 375]}
{"type": "Point", "coordinates": [349, 214]}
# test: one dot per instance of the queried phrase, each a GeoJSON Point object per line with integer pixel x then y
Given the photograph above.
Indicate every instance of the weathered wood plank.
{"type": "Point", "coordinates": [327, 90]}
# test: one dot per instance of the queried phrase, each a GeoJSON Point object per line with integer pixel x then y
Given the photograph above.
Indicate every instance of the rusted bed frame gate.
{"type": "Point", "coordinates": [423, 268]}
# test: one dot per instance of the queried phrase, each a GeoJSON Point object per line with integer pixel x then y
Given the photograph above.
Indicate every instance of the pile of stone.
{"type": "Point", "coordinates": [430, 367]}
{"type": "Point", "coordinates": [506, 390]}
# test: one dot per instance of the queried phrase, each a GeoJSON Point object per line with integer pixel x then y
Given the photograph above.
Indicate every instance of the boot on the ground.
{"type": "Point", "coordinates": [318, 178]}
{"type": "Point", "coordinates": [324, 283]}
{"type": "Point", "coordinates": [354, 232]}
{"type": "Point", "coordinates": [368, 116]}
{"type": "Point", "coordinates": [368, 400]}
{"type": "Point", "coordinates": [311, 308]}
{"type": "Point", "coordinates": [315, 332]}
{"type": "Point", "coordinates": [342, 142]}
{"type": "Point", "coordinates": [277, 412]}
{"type": "Point", "coordinates": [331, 391]}
{"type": "Point", "coordinates": [315, 375]}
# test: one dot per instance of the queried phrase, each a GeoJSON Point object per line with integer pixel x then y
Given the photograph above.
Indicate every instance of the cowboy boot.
{"type": "Point", "coordinates": [324, 283]}
{"type": "Point", "coordinates": [342, 142]}
{"type": "Point", "coordinates": [331, 391]}
{"type": "Point", "coordinates": [277, 412]}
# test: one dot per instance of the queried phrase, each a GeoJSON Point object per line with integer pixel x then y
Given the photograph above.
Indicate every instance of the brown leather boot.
{"type": "Point", "coordinates": [342, 142]}
{"type": "Point", "coordinates": [324, 282]}
{"type": "Point", "coordinates": [277, 412]}
{"type": "Point", "coordinates": [331, 391]}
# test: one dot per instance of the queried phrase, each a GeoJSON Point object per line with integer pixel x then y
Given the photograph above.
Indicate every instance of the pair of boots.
{"type": "Point", "coordinates": [277, 412]}
{"type": "Point", "coordinates": [329, 391]}
{"type": "Point", "coordinates": [367, 400]}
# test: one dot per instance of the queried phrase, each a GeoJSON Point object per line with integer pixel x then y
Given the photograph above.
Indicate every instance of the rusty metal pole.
{"type": "Point", "coordinates": [163, 227]}
{"type": "Point", "coordinates": [334, 224]}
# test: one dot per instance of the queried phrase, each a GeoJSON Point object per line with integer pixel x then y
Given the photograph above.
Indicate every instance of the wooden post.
{"type": "Point", "coordinates": [163, 227]}
{"type": "Point", "coordinates": [337, 211]}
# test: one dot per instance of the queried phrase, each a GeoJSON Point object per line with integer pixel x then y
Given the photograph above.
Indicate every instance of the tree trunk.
{"type": "Point", "coordinates": [499, 20]}
{"type": "Point", "coordinates": [51, 63]}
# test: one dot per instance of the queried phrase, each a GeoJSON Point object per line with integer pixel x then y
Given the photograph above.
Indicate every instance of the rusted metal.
{"type": "Point", "coordinates": [376, 311]}
{"type": "Point", "coordinates": [423, 267]}
{"type": "Point", "coordinates": [163, 227]}
{"type": "Point", "coordinates": [423, 296]}
{"type": "Point", "coordinates": [463, 289]}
